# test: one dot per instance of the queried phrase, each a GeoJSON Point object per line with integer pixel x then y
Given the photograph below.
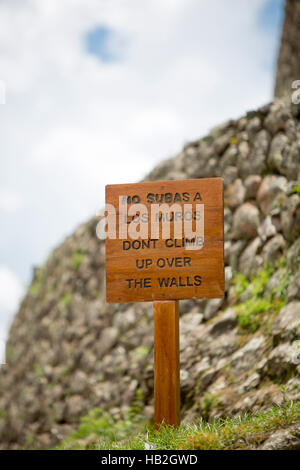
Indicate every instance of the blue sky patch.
{"type": "Point", "coordinates": [271, 15]}
{"type": "Point", "coordinates": [270, 20]}
{"type": "Point", "coordinates": [98, 43]}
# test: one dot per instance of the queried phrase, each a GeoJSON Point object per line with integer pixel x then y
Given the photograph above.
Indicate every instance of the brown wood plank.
{"type": "Point", "coordinates": [166, 363]}
{"type": "Point", "coordinates": [202, 278]}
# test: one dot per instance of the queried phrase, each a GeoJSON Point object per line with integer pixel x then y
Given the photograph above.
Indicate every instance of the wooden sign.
{"type": "Point", "coordinates": [167, 268]}
{"type": "Point", "coordinates": [165, 242]}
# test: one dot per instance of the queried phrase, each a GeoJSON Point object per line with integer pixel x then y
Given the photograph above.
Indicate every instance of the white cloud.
{"type": "Point", "coordinates": [72, 124]}
{"type": "Point", "coordinates": [10, 201]}
{"type": "Point", "coordinates": [2, 352]}
{"type": "Point", "coordinates": [11, 292]}
{"type": "Point", "coordinates": [3, 336]}
{"type": "Point", "coordinates": [2, 92]}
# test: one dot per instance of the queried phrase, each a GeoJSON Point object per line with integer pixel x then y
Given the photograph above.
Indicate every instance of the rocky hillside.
{"type": "Point", "coordinates": [69, 352]}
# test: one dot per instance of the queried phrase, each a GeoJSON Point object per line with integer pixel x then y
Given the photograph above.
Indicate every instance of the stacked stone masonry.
{"type": "Point", "coordinates": [68, 351]}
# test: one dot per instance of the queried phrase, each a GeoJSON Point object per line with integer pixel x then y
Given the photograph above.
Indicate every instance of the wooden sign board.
{"type": "Point", "coordinates": [169, 268]}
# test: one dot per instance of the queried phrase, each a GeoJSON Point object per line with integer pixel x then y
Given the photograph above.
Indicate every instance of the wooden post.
{"type": "Point", "coordinates": [166, 363]}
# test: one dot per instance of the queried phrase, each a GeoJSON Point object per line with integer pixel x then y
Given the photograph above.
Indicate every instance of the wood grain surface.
{"type": "Point", "coordinates": [173, 272]}
{"type": "Point", "coordinates": [166, 363]}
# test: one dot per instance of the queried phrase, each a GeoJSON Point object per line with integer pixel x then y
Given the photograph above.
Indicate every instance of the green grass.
{"type": "Point", "coordinates": [258, 309]}
{"type": "Point", "coordinates": [66, 299]}
{"type": "Point", "coordinates": [207, 403]}
{"type": "Point", "coordinates": [250, 313]}
{"type": "Point", "coordinates": [240, 284]}
{"type": "Point", "coordinates": [296, 189]}
{"type": "Point", "coordinates": [99, 425]}
{"type": "Point", "coordinates": [141, 351]}
{"type": "Point", "coordinates": [38, 370]}
{"type": "Point", "coordinates": [77, 259]}
{"type": "Point", "coordinates": [234, 140]}
{"type": "Point", "coordinates": [100, 431]}
{"type": "Point", "coordinates": [36, 286]}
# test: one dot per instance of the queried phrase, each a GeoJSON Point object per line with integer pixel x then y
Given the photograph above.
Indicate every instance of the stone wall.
{"type": "Point", "coordinates": [288, 68]}
{"type": "Point", "coordinates": [68, 351]}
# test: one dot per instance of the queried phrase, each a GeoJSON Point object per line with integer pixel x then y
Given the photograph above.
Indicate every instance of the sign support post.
{"type": "Point", "coordinates": [165, 243]}
{"type": "Point", "coordinates": [166, 363]}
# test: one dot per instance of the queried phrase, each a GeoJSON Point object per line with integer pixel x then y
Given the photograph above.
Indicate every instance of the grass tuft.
{"type": "Point", "coordinates": [66, 299]}
{"type": "Point", "coordinates": [251, 312]}
{"type": "Point", "coordinates": [101, 432]}
{"type": "Point", "coordinates": [77, 259]}
{"type": "Point", "coordinates": [296, 189]}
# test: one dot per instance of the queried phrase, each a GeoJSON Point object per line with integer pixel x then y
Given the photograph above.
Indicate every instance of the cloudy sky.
{"type": "Point", "coordinates": [99, 91]}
